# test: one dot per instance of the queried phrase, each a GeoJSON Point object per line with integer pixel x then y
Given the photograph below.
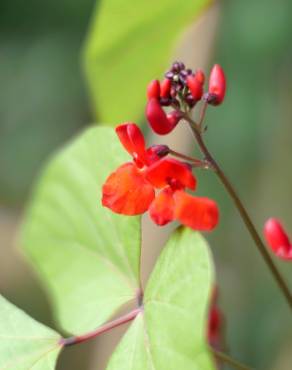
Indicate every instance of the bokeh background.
{"type": "Point", "coordinates": [44, 101]}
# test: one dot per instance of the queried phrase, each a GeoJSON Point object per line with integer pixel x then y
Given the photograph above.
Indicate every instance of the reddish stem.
{"type": "Point", "coordinates": [65, 342]}
{"type": "Point", "coordinates": [242, 211]}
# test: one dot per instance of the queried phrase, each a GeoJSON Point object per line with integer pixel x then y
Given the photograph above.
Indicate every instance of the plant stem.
{"type": "Point", "coordinates": [196, 162]}
{"type": "Point", "coordinates": [228, 360]}
{"type": "Point", "coordinates": [244, 215]}
{"type": "Point", "coordinates": [65, 342]}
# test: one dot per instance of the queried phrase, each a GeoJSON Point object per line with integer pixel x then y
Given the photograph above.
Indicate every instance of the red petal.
{"type": "Point", "coordinates": [167, 170]}
{"type": "Point", "coordinates": [158, 119]}
{"type": "Point", "coordinates": [161, 209]}
{"type": "Point", "coordinates": [132, 139]}
{"type": "Point", "coordinates": [126, 191]}
{"type": "Point", "coordinates": [196, 212]}
{"type": "Point", "coordinates": [277, 239]}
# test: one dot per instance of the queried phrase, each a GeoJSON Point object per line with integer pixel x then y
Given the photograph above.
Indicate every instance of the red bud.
{"type": "Point", "coordinates": [160, 123]}
{"type": "Point", "coordinates": [277, 239]}
{"type": "Point", "coordinates": [195, 86]}
{"type": "Point", "coordinates": [174, 117]}
{"type": "Point", "coordinates": [153, 89]}
{"type": "Point", "coordinates": [165, 88]}
{"type": "Point", "coordinates": [217, 85]}
{"type": "Point", "coordinates": [200, 76]}
{"type": "Point", "coordinates": [156, 152]}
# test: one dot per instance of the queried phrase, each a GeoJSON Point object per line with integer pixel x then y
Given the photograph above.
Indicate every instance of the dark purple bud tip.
{"type": "Point", "coordinates": [211, 99]}
{"type": "Point", "coordinates": [160, 150]}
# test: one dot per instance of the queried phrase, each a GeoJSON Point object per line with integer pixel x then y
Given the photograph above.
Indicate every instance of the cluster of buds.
{"type": "Point", "coordinates": [153, 181]}
{"type": "Point", "coordinates": [180, 90]}
{"type": "Point", "coordinates": [277, 239]}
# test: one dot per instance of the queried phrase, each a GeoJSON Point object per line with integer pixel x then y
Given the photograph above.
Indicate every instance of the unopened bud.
{"type": "Point", "coordinates": [217, 85]}
{"type": "Point", "coordinates": [153, 89]}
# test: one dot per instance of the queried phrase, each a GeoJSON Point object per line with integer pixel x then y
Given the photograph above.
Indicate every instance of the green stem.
{"type": "Point", "coordinates": [228, 360]}
{"type": "Point", "coordinates": [243, 212]}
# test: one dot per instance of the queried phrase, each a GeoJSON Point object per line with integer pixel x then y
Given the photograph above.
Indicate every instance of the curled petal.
{"type": "Point", "coordinates": [162, 208]}
{"type": "Point", "coordinates": [157, 118]}
{"type": "Point", "coordinates": [277, 239]}
{"type": "Point", "coordinates": [169, 171]}
{"type": "Point", "coordinates": [196, 212]}
{"type": "Point", "coordinates": [132, 139]}
{"type": "Point", "coordinates": [127, 192]}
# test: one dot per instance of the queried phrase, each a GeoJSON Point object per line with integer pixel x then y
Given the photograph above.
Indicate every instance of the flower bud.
{"type": "Point", "coordinates": [156, 152]}
{"type": "Point", "coordinates": [165, 88]}
{"type": "Point", "coordinates": [277, 239]}
{"type": "Point", "coordinates": [217, 85]}
{"type": "Point", "coordinates": [153, 89]}
{"type": "Point", "coordinates": [200, 76]}
{"type": "Point", "coordinates": [174, 117]}
{"type": "Point", "coordinates": [160, 123]}
{"type": "Point", "coordinates": [195, 85]}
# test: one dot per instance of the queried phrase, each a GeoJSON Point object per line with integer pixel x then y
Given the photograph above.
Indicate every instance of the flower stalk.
{"type": "Point", "coordinates": [196, 129]}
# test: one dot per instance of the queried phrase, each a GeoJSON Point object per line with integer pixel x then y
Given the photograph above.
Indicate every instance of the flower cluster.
{"type": "Point", "coordinates": [277, 239]}
{"type": "Point", "coordinates": [181, 88]}
{"type": "Point", "coordinates": [154, 181]}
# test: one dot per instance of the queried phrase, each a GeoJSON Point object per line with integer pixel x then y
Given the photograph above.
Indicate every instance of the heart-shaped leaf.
{"type": "Point", "coordinates": [130, 43]}
{"type": "Point", "coordinates": [171, 332]}
{"type": "Point", "coordinates": [87, 255]}
{"type": "Point", "coordinates": [25, 343]}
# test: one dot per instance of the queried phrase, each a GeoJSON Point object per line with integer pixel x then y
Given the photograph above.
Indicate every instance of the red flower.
{"type": "Point", "coordinates": [277, 239]}
{"type": "Point", "coordinates": [156, 184]}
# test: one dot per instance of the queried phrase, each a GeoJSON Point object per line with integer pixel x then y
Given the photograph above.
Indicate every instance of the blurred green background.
{"type": "Point", "coordinates": [43, 102]}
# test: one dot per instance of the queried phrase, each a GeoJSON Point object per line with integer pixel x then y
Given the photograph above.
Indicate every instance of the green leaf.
{"type": "Point", "coordinates": [171, 333]}
{"type": "Point", "coordinates": [87, 255]}
{"type": "Point", "coordinates": [25, 344]}
{"type": "Point", "coordinates": [129, 44]}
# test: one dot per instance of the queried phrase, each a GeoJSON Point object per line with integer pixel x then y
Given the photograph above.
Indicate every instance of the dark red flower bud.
{"type": "Point", "coordinates": [217, 85]}
{"type": "Point", "coordinates": [160, 123]}
{"type": "Point", "coordinates": [195, 86]}
{"type": "Point", "coordinates": [153, 89]}
{"type": "Point", "coordinates": [174, 117]}
{"type": "Point", "coordinates": [277, 239]}
{"type": "Point", "coordinates": [156, 152]}
{"type": "Point", "coordinates": [165, 88]}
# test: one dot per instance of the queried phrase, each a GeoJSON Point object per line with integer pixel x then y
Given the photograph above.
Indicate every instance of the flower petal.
{"type": "Point", "coordinates": [196, 212]}
{"type": "Point", "coordinates": [132, 139]}
{"type": "Point", "coordinates": [127, 192]}
{"type": "Point", "coordinates": [168, 171]}
{"type": "Point", "coordinates": [162, 208]}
